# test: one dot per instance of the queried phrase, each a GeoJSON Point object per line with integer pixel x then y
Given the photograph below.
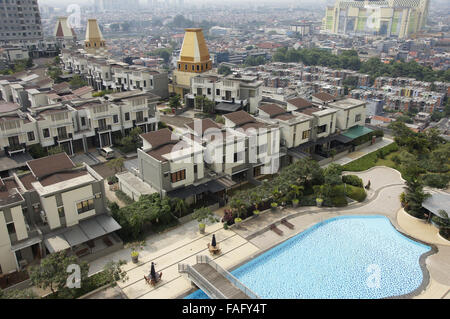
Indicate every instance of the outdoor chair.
{"type": "Point", "coordinates": [152, 282]}
{"type": "Point", "coordinates": [213, 250]}
{"type": "Point", "coordinates": [275, 229]}
{"type": "Point", "coordinates": [287, 224]}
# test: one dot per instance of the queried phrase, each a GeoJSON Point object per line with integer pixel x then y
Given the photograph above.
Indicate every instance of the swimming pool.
{"type": "Point", "coordinates": [343, 257]}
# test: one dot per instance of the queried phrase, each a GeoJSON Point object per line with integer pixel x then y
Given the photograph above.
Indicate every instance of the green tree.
{"type": "Point", "coordinates": [224, 70]}
{"type": "Point", "coordinates": [53, 273]}
{"type": "Point", "coordinates": [116, 164]}
{"type": "Point", "coordinates": [175, 101]}
{"type": "Point", "coordinates": [77, 82]}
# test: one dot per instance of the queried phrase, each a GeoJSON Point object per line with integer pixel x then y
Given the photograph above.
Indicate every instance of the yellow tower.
{"type": "Point", "coordinates": [194, 59]}
{"type": "Point", "coordinates": [94, 42]}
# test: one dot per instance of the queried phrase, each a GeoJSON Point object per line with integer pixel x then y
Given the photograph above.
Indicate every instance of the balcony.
{"type": "Point", "coordinates": [15, 149]}
{"type": "Point", "coordinates": [104, 128]}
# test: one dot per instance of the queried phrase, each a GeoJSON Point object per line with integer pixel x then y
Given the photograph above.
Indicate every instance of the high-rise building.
{"type": "Point", "coordinates": [390, 18]}
{"type": "Point", "coordinates": [20, 22]}
{"type": "Point", "coordinates": [194, 59]}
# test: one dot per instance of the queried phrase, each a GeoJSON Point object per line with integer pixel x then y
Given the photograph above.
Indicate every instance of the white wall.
{"type": "Point", "coordinates": [70, 200]}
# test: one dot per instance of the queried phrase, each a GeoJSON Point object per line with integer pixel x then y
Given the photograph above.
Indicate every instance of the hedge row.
{"type": "Point", "coordinates": [352, 180]}
{"type": "Point", "coordinates": [356, 193]}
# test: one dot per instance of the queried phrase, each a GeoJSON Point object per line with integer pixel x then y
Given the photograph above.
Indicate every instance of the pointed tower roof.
{"type": "Point", "coordinates": [194, 49]}
{"type": "Point", "coordinates": [93, 32]}
{"type": "Point", "coordinates": [63, 29]}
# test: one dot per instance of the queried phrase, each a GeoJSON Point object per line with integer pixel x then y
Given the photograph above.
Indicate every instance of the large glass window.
{"type": "Point", "coordinates": [178, 176]}
{"type": "Point", "coordinates": [85, 206]}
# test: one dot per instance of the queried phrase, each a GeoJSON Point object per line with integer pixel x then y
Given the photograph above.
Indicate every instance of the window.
{"type": "Point", "coordinates": [85, 206]}
{"type": "Point", "coordinates": [305, 134]}
{"type": "Point", "coordinates": [217, 91]}
{"type": "Point", "coordinates": [195, 169]}
{"type": "Point", "coordinates": [115, 118]}
{"type": "Point", "coordinates": [30, 136]}
{"type": "Point", "coordinates": [11, 228]}
{"type": "Point", "coordinates": [61, 212]}
{"type": "Point", "coordinates": [321, 129]}
{"type": "Point", "coordinates": [237, 157]}
{"type": "Point", "coordinates": [357, 117]}
{"type": "Point", "coordinates": [262, 149]}
{"type": "Point", "coordinates": [46, 132]}
{"type": "Point", "coordinates": [178, 176]}
{"type": "Point", "coordinates": [127, 116]}
{"type": "Point", "coordinates": [209, 91]}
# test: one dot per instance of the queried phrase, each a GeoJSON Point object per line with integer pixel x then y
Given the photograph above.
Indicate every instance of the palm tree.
{"type": "Point", "coordinates": [179, 206]}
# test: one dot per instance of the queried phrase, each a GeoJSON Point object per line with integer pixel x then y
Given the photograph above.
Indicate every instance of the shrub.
{"type": "Point", "coordinates": [339, 201]}
{"type": "Point", "coordinates": [437, 180]}
{"type": "Point", "coordinates": [352, 180]}
{"type": "Point", "coordinates": [124, 197]}
{"type": "Point", "coordinates": [445, 232]}
{"type": "Point", "coordinates": [356, 193]}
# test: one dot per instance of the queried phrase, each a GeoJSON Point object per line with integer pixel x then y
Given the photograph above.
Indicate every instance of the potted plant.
{"type": "Point", "coordinates": [318, 191]}
{"type": "Point", "coordinates": [274, 206]}
{"type": "Point", "coordinates": [112, 181]}
{"type": "Point", "coordinates": [319, 201]}
{"type": "Point", "coordinates": [134, 256]}
{"type": "Point", "coordinates": [202, 215]}
{"type": "Point", "coordinates": [134, 250]}
{"type": "Point", "coordinates": [295, 203]}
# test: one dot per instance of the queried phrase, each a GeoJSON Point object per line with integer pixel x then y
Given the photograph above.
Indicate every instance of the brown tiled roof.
{"type": "Point", "coordinates": [240, 117]}
{"type": "Point", "coordinates": [61, 177]}
{"type": "Point", "coordinates": [8, 194]}
{"type": "Point", "coordinates": [166, 149]}
{"type": "Point", "coordinates": [325, 97]}
{"type": "Point", "coordinates": [50, 165]}
{"type": "Point", "coordinates": [272, 109]}
{"type": "Point", "coordinates": [202, 125]}
{"type": "Point", "coordinates": [309, 110]}
{"type": "Point", "coordinates": [27, 180]}
{"type": "Point", "coordinates": [160, 137]}
{"type": "Point", "coordinates": [300, 102]}
{"type": "Point", "coordinates": [284, 117]}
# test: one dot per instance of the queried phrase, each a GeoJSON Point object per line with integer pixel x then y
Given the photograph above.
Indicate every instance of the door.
{"type": "Point", "coordinates": [106, 141]}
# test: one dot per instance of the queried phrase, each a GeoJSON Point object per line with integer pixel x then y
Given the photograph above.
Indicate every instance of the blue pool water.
{"type": "Point", "coordinates": [343, 257]}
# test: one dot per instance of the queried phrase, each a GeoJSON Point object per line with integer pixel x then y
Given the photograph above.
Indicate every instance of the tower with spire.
{"type": "Point", "coordinates": [194, 59]}
{"type": "Point", "coordinates": [94, 42]}
{"type": "Point", "coordinates": [64, 33]}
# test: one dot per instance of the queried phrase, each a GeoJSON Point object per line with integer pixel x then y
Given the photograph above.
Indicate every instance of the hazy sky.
{"type": "Point", "coordinates": [59, 3]}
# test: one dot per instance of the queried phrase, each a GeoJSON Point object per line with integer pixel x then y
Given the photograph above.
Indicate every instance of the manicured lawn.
{"type": "Point", "coordinates": [370, 160]}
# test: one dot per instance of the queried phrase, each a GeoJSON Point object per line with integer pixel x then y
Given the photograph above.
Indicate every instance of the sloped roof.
{"type": "Point", "coordinates": [52, 164]}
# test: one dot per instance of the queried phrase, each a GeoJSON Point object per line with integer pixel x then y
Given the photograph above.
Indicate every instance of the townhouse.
{"type": "Point", "coordinates": [53, 207]}
{"type": "Point", "coordinates": [169, 162]}
{"type": "Point", "coordinates": [230, 94]}
{"type": "Point", "coordinates": [104, 74]}
{"type": "Point", "coordinates": [76, 125]}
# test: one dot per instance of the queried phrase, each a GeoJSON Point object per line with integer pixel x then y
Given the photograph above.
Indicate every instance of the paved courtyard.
{"type": "Point", "coordinates": [239, 245]}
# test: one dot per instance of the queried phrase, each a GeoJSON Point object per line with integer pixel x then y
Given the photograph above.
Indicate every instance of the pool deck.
{"type": "Point", "coordinates": [253, 237]}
